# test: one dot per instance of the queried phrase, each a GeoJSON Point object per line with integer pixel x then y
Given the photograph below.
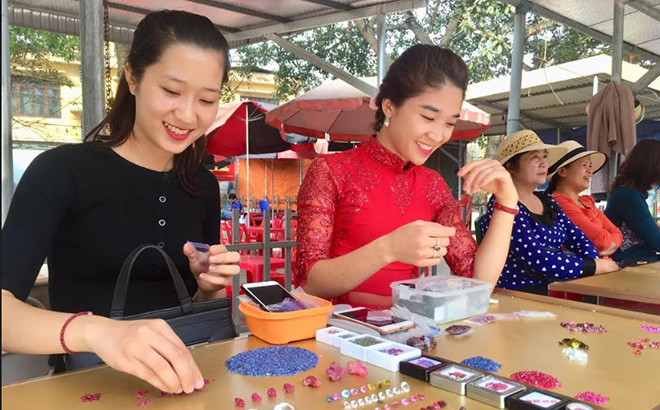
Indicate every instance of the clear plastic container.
{"type": "Point", "coordinates": [442, 298]}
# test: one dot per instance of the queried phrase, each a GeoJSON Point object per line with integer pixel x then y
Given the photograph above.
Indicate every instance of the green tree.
{"type": "Point", "coordinates": [31, 52]}
{"type": "Point", "coordinates": [478, 30]}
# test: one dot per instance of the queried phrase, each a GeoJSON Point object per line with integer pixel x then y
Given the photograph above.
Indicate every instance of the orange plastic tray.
{"type": "Point", "coordinates": [286, 327]}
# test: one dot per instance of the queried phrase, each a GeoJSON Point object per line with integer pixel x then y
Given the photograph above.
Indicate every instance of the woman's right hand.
{"type": "Point", "coordinates": [413, 243]}
{"type": "Point", "coordinates": [147, 349]}
{"type": "Point", "coordinates": [605, 266]}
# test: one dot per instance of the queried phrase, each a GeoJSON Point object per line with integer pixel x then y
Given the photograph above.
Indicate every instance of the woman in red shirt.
{"type": "Point", "coordinates": [369, 216]}
{"type": "Point", "coordinates": [571, 175]}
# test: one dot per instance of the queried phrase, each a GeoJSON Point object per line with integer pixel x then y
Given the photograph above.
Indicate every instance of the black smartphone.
{"type": "Point", "coordinates": [270, 293]}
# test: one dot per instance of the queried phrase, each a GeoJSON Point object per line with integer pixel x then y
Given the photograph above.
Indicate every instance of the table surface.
{"type": "Point", "coordinates": [638, 283]}
{"type": "Point", "coordinates": [632, 382]}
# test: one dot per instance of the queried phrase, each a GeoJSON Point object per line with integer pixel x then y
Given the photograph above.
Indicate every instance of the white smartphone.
{"type": "Point", "coordinates": [359, 316]}
{"type": "Point", "coordinates": [270, 293]}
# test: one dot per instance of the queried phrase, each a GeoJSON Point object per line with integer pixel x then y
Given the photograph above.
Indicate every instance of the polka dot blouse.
{"type": "Point", "coordinates": [535, 255]}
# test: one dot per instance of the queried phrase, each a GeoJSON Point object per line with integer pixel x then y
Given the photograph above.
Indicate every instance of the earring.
{"type": "Point", "coordinates": [386, 123]}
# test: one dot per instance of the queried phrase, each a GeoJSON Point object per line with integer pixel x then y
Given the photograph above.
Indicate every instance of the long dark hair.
{"type": "Point", "coordinates": [153, 35]}
{"type": "Point", "coordinates": [641, 169]}
{"type": "Point", "coordinates": [419, 67]}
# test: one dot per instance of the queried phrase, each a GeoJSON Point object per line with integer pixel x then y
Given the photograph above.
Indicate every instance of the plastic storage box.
{"type": "Point", "coordinates": [333, 335]}
{"type": "Point", "coordinates": [284, 327]}
{"type": "Point", "coordinates": [356, 347]}
{"type": "Point", "coordinates": [443, 298]}
{"type": "Point", "coordinates": [390, 355]}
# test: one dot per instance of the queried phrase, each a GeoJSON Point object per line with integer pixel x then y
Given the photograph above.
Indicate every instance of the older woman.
{"type": "Point", "coordinates": [570, 175]}
{"type": "Point", "coordinates": [540, 230]}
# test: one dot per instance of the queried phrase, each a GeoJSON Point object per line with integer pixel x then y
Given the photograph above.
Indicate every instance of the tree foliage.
{"type": "Point", "coordinates": [481, 31]}
{"type": "Point", "coordinates": [33, 51]}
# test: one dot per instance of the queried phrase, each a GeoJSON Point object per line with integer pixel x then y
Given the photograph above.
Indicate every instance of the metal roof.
{"type": "Point", "coordinates": [241, 21]}
{"type": "Point", "coordinates": [557, 96]}
{"type": "Point", "coordinates": [641, 27]}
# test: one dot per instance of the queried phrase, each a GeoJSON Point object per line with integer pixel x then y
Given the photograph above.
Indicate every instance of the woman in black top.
{"type": "Point", "coordinates": [87, 206]}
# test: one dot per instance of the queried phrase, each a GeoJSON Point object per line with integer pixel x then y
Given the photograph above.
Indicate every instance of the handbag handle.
{"type": "Point", "coordinates": [121, 288]}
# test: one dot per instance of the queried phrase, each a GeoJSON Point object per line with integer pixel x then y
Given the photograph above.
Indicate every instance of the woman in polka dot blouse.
{"type": "Point", "coordinates": [545, 245]}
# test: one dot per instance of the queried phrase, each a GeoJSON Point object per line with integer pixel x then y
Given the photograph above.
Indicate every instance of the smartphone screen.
{"type": "Point", "coordinates": [361, 315]}
{"type": "Point", "coordinates": [268, 296]}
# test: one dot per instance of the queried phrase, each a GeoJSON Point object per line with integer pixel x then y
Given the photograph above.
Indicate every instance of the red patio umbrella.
{"type": "Point", "coordinates": [227, 134]}
{"type": "Point", "coordinates": [343, 113]}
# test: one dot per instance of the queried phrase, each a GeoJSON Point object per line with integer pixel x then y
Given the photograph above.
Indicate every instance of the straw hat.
{"type": "Point", "coordinates": [639, 111]}
{"type": "Point", "coordinates": [575, 152]}
{"type": "Point", "coordinates": [525, 141]}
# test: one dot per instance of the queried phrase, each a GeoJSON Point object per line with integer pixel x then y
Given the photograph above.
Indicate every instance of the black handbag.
{"type": "Point", "coordinates": [194, 322]}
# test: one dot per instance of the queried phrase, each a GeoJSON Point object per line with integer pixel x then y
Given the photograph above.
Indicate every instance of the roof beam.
{"type": "Point", "coordinates": [140, 10]}
{"type": "Point", "coordinates": [503, 110]}
{"type": "Point", "coordinates": [553, 90]}
{"type": "Point", "coordinates": [645, 7]}
{"type": "Point", "coordinates": [542, 11]}
{"type": "Point", "coordinates": [310, 23]}
{"type": "Point", "coordinates": [646, 79]}
{"type": "Point", "coordinates": [324, 65]}
{"type": "Point", "coordinates": [241, 10]}
{"type": "Point", "coordinates": [332, 4]}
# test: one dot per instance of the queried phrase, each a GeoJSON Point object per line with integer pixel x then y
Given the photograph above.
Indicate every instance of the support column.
{"type": "Point", "coordinates": [7, 158]}
{"type": "Point", "coordinates": [617, 40]}
{"type": "Point", "coordinates": [91, 52]}
{"type": "Point", "coordinates": [381, 29]}
{"type": "Point", "coordinates": [513, 116]}
{"type": "Point", "coordinates": [617, 63]}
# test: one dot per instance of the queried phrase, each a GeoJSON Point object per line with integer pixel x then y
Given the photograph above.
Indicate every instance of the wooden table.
{"type": "Point", "coordinates": [631, 382]}
{"type": "Point", "coordinates": [636, 284]}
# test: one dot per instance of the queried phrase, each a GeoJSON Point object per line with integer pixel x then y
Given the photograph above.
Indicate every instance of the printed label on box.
{"type": "Point", "coordinates": [539, 399]}
{"type": "Point", "coordinates": [455, 373]}
{"type": "Point", "coordinates": [424, 362]}
{"type": "Point", "coordinates": [496, 385]}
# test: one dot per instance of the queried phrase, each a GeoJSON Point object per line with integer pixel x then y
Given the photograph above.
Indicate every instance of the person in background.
{"type": "Point", "coordinates": [370, 216]}
{"type": "Point", "coordinates": [87, 206]}
{"type": "Point", "coordinates": [541, 229]}
{"type": "Point", "coordinates": [570, 175]}
{"type": "Point", "coordinates": [234, 203]}
{"type": "Point", "coordinates": [627, 207]}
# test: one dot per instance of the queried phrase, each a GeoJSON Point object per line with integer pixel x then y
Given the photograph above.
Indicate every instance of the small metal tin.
{"type": "Point", "coordinates": [535, 399]}
{"type": "Point", "coordinates": [493, 390]}
{"type": "Point", "coordinates": [454, 378]}
{"type": "Point", "coordinates": [421, 367]}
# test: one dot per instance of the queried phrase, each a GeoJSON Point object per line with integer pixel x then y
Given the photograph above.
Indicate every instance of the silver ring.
{"type": "Point", "coordinates": [437, 247]}
{"type": "Point", "coordinates": [435, 254]}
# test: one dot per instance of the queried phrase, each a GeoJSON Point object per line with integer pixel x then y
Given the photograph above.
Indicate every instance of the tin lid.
{"type": "Point", "coordinates": [491, 385]}
{"type": "Point", "coordinates": [457, 373]}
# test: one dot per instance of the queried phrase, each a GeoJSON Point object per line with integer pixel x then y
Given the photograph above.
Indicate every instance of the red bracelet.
{"type": "Point", "coordinates": [512, 211]}
{"type": "Point", "coordinates": [75, 315]}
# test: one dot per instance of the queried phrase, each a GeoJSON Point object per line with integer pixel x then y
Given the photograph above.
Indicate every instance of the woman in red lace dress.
{"type": "Point", "coordinates": [367, 217]}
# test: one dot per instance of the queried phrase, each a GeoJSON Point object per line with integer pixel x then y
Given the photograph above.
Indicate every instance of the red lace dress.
{"type": "Point", "coordinates": [349, 199]}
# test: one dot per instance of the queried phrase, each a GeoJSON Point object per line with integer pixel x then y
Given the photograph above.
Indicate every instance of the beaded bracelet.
{"type": "Point", "coordinates": [75, 315]}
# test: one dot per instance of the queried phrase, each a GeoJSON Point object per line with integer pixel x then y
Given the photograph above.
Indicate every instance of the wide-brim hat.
{"type": "Point", "coordinates": [525, 141]}
{"type": "Point", "coordinates": [575, 152]}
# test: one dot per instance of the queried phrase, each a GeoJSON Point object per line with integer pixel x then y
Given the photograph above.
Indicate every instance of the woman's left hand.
{"type": "Point", "coordinates": [489, 175]}
{"type": "Point", "coordinates": [222, 266]}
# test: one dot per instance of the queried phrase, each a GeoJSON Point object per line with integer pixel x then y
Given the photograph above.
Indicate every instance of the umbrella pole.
{"type": "Point", "coordinates": [300, 176]}
{"type": "Point", "coordinates": [247, 157]}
